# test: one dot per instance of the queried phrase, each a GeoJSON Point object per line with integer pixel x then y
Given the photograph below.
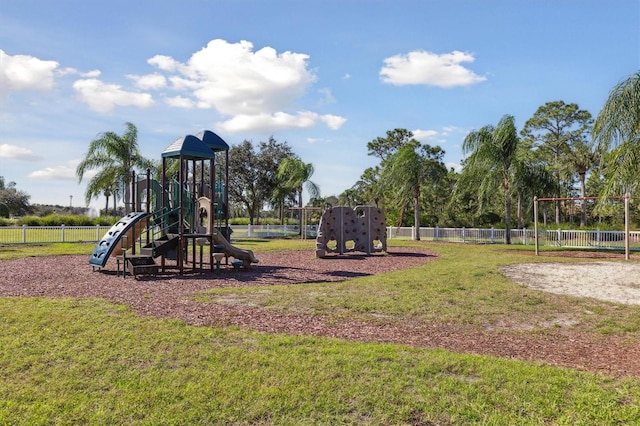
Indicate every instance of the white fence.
{"type": "Point", "coordinates": [592, 239]}
{"type": "Point", "coordinates": [51, 234]}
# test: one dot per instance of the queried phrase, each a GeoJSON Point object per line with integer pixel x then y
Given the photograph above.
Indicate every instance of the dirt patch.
{"type": "Point", "coordinates": [611, 281]}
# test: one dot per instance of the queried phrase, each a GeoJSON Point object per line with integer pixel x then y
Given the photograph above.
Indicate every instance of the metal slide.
{"type": "Point", "coordinates": [109, 243]}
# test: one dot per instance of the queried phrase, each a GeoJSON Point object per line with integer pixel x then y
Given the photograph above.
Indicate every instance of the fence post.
{"type": "Point", "coordinates": [24, 233]}
{"type": "Point", "coordinates": [98, 233]}
{"type": "Point", "coordinates": [435, 234]}
{"type": "Point", "coordinates": [249, 230]}
{"type": "Point", "coordinates": [524, 236]}
{"type": "Point", "coordinates": [463, 236]}
{"type": "Point", "coordinates": [413, 232]}
{"type": "Point", "coordinates": [268, 235]}
{"type": "Point", "coordinates": [492, 235]}
{"type": "Point", "coordinates": [598, 238]}
{"type": "Point", "coordinates": [62, 231]}
{"type": "Point", "coordinates": [559, 241]}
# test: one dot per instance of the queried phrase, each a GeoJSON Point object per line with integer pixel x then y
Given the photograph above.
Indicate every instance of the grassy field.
{"type": "Point", "coordinates": [66, 361]}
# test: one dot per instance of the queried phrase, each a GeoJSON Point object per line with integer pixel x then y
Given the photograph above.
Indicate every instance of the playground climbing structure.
{"type": "Point", "coordinates": [344, 229]}
{"type": "Point", "coordinates": [181, 213]}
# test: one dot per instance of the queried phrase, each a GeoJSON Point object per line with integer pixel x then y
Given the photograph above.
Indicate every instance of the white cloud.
{"type": "Point", "coordinates": [62, 172]}
{"type": "Point", "coordinates": [22, 72]}
{"type": "Point", "coordinates": [327, 96]}
{"type": "Point", "coordinates": [431, 69]}
{"type": "Point", "coordinates": [455, 166]}
{"type": "Point", "coordinates": [425, 135]}
{"type": "Point", "coordinates": [165, 63]}
{"type": "Point", "coordinates": [447, 130]}
{"type": "Point", "coordinates": [180, 84]}
{"type": "Point", "coordinates": [278, 121]}
{"type": "Point", "coordinates": [102, 97]}
{"type": "Point", "coordinates": [62, 72]}
{"type": "Point", "coordinates": [317, 140]}
{"type": "Point", "coordinates": [180, 102]}
{"type": "Point", "coordinates": [234, 79]}
{"type": "Point", "coordinates": [91, 74]}
{"type": "Point", "coordinates": [14, 152]}
{"type": "Point", "coordinates": [251, 89]}
{"type": "Point", "coordinates": [66, 71]}
{"type": "Point", "coordinates": [334, 122]}
{"type": "Point", "coordinates": [153, 81]}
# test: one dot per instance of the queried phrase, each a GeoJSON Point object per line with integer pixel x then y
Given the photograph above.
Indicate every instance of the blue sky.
{"type": "Point", "coordinates": [325, 76]}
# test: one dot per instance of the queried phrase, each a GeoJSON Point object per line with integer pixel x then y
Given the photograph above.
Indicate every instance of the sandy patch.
{"type": "Point", "coordinates": [611, 281]}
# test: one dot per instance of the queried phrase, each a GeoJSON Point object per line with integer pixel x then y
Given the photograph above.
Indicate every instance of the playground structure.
{"type": "Point", "coordinates": [362, 226]}
{"type": "Point", "coordinates": [180, 214]}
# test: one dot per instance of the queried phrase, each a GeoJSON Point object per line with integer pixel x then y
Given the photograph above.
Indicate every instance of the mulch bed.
{"type": "Point", "coordinates": [170, 296]}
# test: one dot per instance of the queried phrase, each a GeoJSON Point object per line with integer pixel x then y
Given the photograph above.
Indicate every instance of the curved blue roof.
{"type": "Point", "coordinates": [189, 147]}
{"type": "Point", "coordinates": [213, 141]}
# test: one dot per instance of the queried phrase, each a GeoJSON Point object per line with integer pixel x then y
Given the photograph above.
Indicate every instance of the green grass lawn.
{"type": "Point", "coordinates": [67, 361]}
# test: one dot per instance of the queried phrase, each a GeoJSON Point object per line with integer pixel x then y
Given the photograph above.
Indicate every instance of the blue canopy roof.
{"type": "Point", "coordinates": [213, 141]}
{"type": "Point", "coordinates": [189, 147]}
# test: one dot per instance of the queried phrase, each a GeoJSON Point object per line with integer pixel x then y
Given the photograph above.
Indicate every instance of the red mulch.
{"type": "Point", "coordinates": [169, 295]}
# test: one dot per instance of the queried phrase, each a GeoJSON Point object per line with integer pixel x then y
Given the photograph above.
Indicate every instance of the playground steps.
{"type": "Point", "coordinates": [165, 245]}
{"type": "Point", "coordinates": [141, 265]}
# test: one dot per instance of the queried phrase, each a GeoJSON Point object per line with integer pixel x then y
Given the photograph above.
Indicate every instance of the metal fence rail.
{"type": "Point", "coordinates": [592, 239]}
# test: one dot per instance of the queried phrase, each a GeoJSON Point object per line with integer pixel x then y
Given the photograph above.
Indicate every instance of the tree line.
{"type": "Point", "coordinates": [561, 151]}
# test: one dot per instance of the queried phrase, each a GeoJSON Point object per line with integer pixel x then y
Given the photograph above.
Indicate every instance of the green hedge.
{"type": "Point", "coordinates": [57, 220]}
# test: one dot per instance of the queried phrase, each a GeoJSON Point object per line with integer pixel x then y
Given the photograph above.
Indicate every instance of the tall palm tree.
{"type": "Point", "coordinates": [115, 157]}
{"type": "Point", "coordinates": [295, 174]}
{"type": "Point", "coordinates": [493, 154]}
{"type": "Point", "coordinates": [406, 172]}
{"type": "Point", "coordinates": [618, 126]}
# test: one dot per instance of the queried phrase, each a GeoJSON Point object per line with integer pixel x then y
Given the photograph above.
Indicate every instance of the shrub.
{"type": "Point", "coordinates": [6, 222]}
{"type": "Point", "coordinates": [67, 220]}
{"type": "Point", "coordinates": [29, 221]}
{"type": "Point", "coordinates": [105, 220]}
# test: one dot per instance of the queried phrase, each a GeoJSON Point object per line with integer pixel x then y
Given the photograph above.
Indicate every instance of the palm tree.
{"type": "Point", "coordinates": [116, 157]}
{"type": "Point", "coordinates": [348, 197]}
{"type": "Point", "coordinates": [493, 154]}
{"type": "Point", "coordinates": [105, 183]}
{"type": "Point", "coordinates": [580, 159]}
{"type": "Point", "coordinates": [368, 186]}
{"type": "Point", "coordinates": [294, 174]}
{"type": "Point", "coordinates": [279, 197]}
{"type": "Point", "coordinates": [407, 171]}
{"type": "Point", "coordinates": [618, 126]}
